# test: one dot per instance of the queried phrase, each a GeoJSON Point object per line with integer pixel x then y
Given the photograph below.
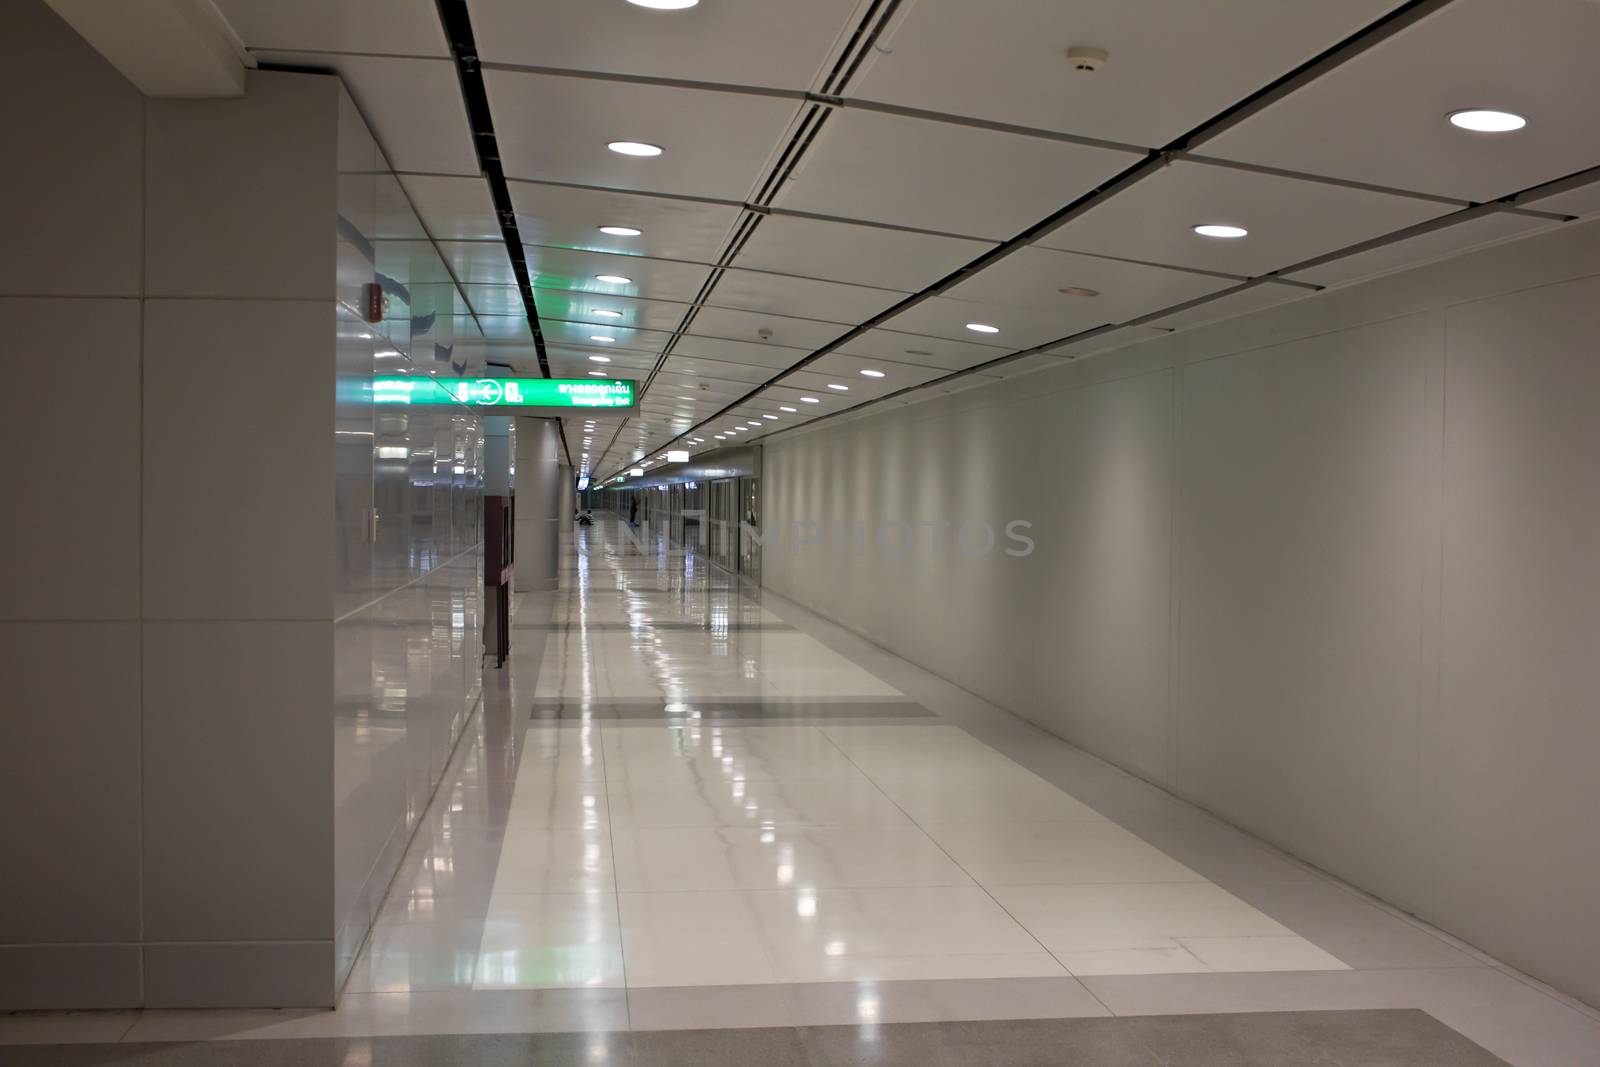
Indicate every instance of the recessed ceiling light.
{"type": "Point", "coordinates": [621, 231]}
{"type": "Point", "coordinates": [1074, 290]}
{"type": "Point", "coordinates": [872, 373]}
{"type": "Point", "coordinates": [665, 5]}
{"type": "Point", "coordinates": [634, 148]}
{"type": "Point", "coordinates": [602, 339]}
{"type": "Point", "coordinates": [982, 327]}
{"type": "Point", "coordinates": [600, 359]}
{"type": "Point", "coordinates": [774, 418]}
{"type": "Point", "coordinates": [757, 425]}
{"type": "Point", "coordinates": [597, 374]}
{"type": "Point", "coordinates": [809, 400]}
{"type": "Point", "coordinates": [1484, 120]}
{"type": "Point", "coordinates": [605, 313]}
{"type": "Point", "coordinates": [613, 279]}
{"type": "Point", "coordinates": [1222, 230]}
{"type": "Point", "coordinates": [719, 437]}
{"type": "Point", "coordinates": [789, 410]}
{"type": "Point", "coordinates": [836, 387]}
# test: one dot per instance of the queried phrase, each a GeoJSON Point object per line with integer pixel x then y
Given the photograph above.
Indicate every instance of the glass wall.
{"type": "Point", "coordinates": [713, 519]}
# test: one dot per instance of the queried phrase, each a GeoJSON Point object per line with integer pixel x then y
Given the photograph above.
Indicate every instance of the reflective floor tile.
{"type": "Point", "coordinates": [1055, 853]}
{"type": "Point", "coordinates": [844, 801]}
{"type": "Point", "coordinates": [550, 941]}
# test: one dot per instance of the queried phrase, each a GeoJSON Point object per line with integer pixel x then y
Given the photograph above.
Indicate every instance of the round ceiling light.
{"type": "Point", "coordinates": [597, 374]}
{"type": "Point", "coordinates": [1074, 290]}
{"type": "Point", "coordinates": [872, 373]}
{"type": "Point", "coordinates": [982, 327]}
{"type": "Point", "coordinates": [605, 313]}
{"type": "Point", "coordinates": [809, 400]}
{"type": "Point", "coordinates": [621, 231]}
{"type": "Point", "coordinates": [1220, 230]}
{"type": "Point", "coordinates": [665, 5]}
{"type": "Point", "coordinates": [613, 279]}
{"type": "Point", "coordinates": [634, 148]}
{"type": "Point", "coordinates": [602, 339]}
{"type": "Point", "coordinates": [600, 359]}
{"type": "Point", "coordinates": [1486, 120]}
{"type": "Point", "coordinates": [788, 409]}
{"type": "Point", "coordinates": [836, 387]}
{"type": "Point", "coordinates": [774, 418]}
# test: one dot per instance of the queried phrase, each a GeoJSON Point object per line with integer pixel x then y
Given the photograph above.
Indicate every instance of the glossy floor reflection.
{"type": "Point", "coordinates": [684, 806]}
{"type": "Point", "coordinates": [660, 845]}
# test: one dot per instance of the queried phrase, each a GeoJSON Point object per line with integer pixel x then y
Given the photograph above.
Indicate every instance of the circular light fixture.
{"type": "Point", "coordinates": [789, 410]}
{"type": "Point", "coordinates": [600, 359]}
{"type": "Point", "coordinates": [1220, 230]}
{"type": "Point", "coordinates": [605, 313]}
{"type": "Point", "coordinates": [774, 418]}
{"type": "Point", "coordinates": [836, 387]}
{"type": "Point", "coordinates": [809, 400]}
{"type": "Point", "coordinates": [982, 327]}
{"type": "Point", "coordinates": [1073, 290]}
{"type": "Point", "coordinates": [872, 373]}
{"type": "Point", "coordinates": [718, 437]}
{"type": "Point", "coordinates": [1486, 120]}
{"type": "Point", "coordinates": [634, 148]}
{"type": "Point", "coordinates": [665, 5]}
{"type": "Point", "coordinates": [602, 338]}
{"type": "Point", "coordinates": [621, 231]}
{"type": "Point", "coordinates": [613, 279]}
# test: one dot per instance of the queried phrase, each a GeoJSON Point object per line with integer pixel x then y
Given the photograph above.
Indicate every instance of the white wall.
{"type": "Point", "coordinates": [180, 756]}
{"type": "Point", "coordinates": [1328, 570]}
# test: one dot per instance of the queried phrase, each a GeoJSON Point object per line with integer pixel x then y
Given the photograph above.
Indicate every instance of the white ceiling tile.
{"type": "Point", "coordinates": [385, 27]}
{"type": "Point", "coordinates": [556, 129]}
{"type": "Point", "coordinates": [805, 334]}
{"type": "Point", "coordinates": [1173, 63]}
{"type": "Point", "coordinates": [495, 299]}
{"type": "Point", "coordinates": [859, 255]}
{"type": "Point", "coordinates": [1440, 244]}
{"type": "Point", "coordinates": [479, 262]}
{"type": "Point", "coordinates": [913, 172]}
{"type": "Point", "coordinates": [713, 371]}
{"type": "Point", "coordinates": [771, 356]}
{"type": "Point", "coordinates": [1020, 327]}
{"type": "Point", "coordinates": [921, 350]}
{"type": "Point", "coordinates": [414, 107]}
{"type": "Point", "coordinates": [1381, 118]}
{"type": "Point", "coordinates": [671, 229]}
{"type": "Point", "coordinates": [1034, 278]}
{"type": "Point", "coordinates": [451, 207]}
{"type": "Point", "coordinates": [805, 298]}
{"type": "Point", "coordinates": [506, 328]}
{"type": "Point", "coordinates": [579, 306]}
{"type": "Point", "coordinates": [582, 335]}
{"type": "Point", "coordinates": [1226, 307]}
{"type": "Point", "coordinates": [772, 43]}
{"type": "Point", "coordinates": [1289, 220]}
{"type": "Point", "coordinates": [1584, 200]}
{"type": "Point", "coordinates": [839, 367]}
{"type": "Point", "coordinates": [573, 269]}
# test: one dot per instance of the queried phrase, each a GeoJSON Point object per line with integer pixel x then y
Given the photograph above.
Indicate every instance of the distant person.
{"type": "Point", "coordinates": [633, 512]}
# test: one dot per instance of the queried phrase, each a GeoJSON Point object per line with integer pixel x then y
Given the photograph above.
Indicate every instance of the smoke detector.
{"type": "Point", "coordinates": [765, 333]}
{"type": "Point", "coordinates": [1087, 60]}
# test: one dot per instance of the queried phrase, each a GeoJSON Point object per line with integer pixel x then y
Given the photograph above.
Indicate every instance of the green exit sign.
{"type": "Point", "coordinates": [505, 392]}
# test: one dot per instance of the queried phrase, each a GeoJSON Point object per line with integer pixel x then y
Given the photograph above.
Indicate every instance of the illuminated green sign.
{"type": "Point", "coordinates": [505, 392]}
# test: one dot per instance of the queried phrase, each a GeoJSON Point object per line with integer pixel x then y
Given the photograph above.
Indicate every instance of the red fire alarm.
{"type": "Point", "coordinates": [372, 302]}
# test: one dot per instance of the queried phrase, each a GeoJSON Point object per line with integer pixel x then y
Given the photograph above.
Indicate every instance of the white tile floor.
{"type": "Point", "coordinates": [742, 815]}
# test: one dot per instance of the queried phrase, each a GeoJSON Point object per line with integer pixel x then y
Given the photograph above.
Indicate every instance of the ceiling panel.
{"type": "Point", "coordinates": [1584, 200]}
{"type": "Point", "coordinates": [387, 27]}
{"type": "Point", "coordinates": [414, 107]}
{"type": "Point", "coordinates": [578, 306]}
{"type": "Point", "coordinates": [495, 299]}
{"type": "Point", "coordinates": [1226, 307]}
{"type": "Point", "coordinates": [859, 255]}
{"type": "Point", "coordinates": [556, 129]}
{"type": "Point", "coordinates": [1381, 117]}
{"type": "Point", "coordinates": [805, 298]}
{"type": "Point", "coordinates": [924, 351]}
{"type": "Point", "coordinates": [506, 328]}
{"type": "Point", "coordinates": [805, 334]}
{"type": "Point", "coordinates": [571, 269]}
{"type": "Point", "coordinates": [478, 262]}
{"type": "Point", "coordinates": [1452, 240]}
{"type": "Point", "coordinates": [671, 229]}
{"type": "Point", "coordinates": [912, 172]}
{"type": "Point", "coordinates": [1020, 327]}
{"type": "Point", "coordinates": [582, 335]}
{"type": "Point", "coordinates": [453, 207]}
{"type": "Point", "coordinates": [713, 371]}
{"type": "Point", "coordinates": [777, 43]}
{"type": "Point", "coordinates": [1034, 277]}
{"type": "Point", "coordinates": [771, 356]}
{"type": "Point", "coordinates": [1289, 220]}
{"type": "Point", "coordinates": [1172, 65]}
{"type": "Point", "coordinates": [839, 367]}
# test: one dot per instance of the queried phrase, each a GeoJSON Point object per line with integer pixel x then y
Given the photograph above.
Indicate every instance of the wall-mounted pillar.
{"type": "Point", "coordinates": [538, 504]}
